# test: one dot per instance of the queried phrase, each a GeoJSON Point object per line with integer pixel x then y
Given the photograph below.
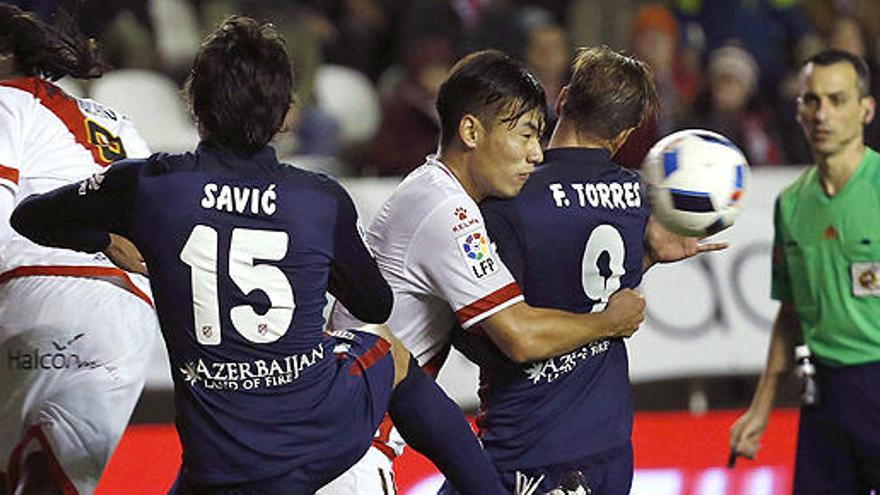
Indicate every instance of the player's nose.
{"type": "Point", "coordinates": [535, 154]}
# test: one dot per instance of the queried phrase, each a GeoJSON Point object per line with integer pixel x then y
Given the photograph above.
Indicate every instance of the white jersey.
{"type": "Point", "coordinates": [430, 243]}
{"type": "Point", "coordinates": [429, 240]}
{"type": "Point", "coordinates": [49, 139]}
{"type": "Point", "coordinates": [76, 346]}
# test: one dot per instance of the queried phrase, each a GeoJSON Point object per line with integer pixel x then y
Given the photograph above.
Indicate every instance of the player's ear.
{"type": "Point", "coordinates": [560, 100]}
{"type": "Point", "coordinates": [469, 130]}
{"type": "Point", "coordinates": [869, 106]}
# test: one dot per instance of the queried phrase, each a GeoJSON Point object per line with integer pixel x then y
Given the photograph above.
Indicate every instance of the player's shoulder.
{"type": "Point", "coordinates": [872, 164]}
{"type": "Point", "coordinates": [319, 181]}
{"type": "Point", "coordinates": [496, 208]}
{"type": "Point", "coordinates": [430, 191]}
{"type": "Point", "coordinates": [800, 186]}
{"type": "Point", "coordinates": [427, 203]}
{"type": "Point", "coordinates": [19, 97]}
{"type": "Point", "coordinates": [428, 188]}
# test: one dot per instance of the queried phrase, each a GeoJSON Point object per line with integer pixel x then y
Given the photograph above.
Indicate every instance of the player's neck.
{"type": "Point", "coordinates": [835, 170]}
{"type": "Point", "coordinates": [566, 136]}
{"type": "Point", "coordinates": [458, 164]}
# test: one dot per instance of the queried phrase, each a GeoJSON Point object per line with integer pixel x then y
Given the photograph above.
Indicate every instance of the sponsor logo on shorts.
{"type": "Point", "coordinates": [477, 254]}
{"type": "Point", "coordinates": [554, 368]}
{"type": "Point", "coordinates": [250, 375]}
{"type": "Point", "coordinates": [60, 357]}
{"type": "Point", "coordinates": [527, 485]}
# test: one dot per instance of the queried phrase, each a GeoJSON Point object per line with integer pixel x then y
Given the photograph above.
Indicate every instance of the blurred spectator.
{"type": "Point", "coordinates": [732, 109]}
{"type": "Point", "coordinates": [409, 130]}
{"type": "Point", "coordinates": [363, 35]}
{"type": "Point", "coordinates": [848, 34]}
{"type": "Point", "coordinates": [124, 28]}
{"type": "Point", "coordinates": [655, 36]}
{"type": "Point", "coordinates": [429, 19]}
{"type": "Point", "coordinates": [547, 53]}
{"type": "Point", "coordinates": [500, 27]}
{"type": "Point", "coordinates": [601, 22]}
{"type": "Point", "coordinates": [767, 29]}
{"type": "Point", "coordinates": [312, 130]}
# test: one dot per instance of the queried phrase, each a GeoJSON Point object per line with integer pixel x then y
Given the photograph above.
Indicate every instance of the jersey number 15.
{"type": "Point", "coordinates": [246, 245]}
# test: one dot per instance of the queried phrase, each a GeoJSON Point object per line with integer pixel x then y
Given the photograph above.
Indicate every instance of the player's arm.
{"type": "Point", "coordinates": [355, 279]}
{"type": "Point", "coordinates": [81, 216]}
{"type": "Point", "coordinates": [663, 246]}
{"type": "Point", "coordinates": [525, 333]}
{"type": "Point", "coordinates": [745, 435]}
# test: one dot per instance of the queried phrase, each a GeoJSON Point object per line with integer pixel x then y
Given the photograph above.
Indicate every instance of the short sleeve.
{"type": "Point", "coordinates": [11, 142]}
{"type": "Point", "coordinates": [452, 251]}
{"type": "Point", "coordinates": [780, 287]}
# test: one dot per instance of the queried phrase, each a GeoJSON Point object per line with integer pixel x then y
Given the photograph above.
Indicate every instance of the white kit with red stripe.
{"type": "Point", "coordinates": [49, 139]}
{"type": "Point", "coordinates": [74, 346]}
{"type": "Point", "coordinates": [429, 240]}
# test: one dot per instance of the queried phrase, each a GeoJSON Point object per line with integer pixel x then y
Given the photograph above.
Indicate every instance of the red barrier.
{"type": "Point", "coordinates": [675, 454]}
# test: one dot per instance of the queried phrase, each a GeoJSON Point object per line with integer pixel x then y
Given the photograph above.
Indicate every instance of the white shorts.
{"type": "Point", "coordinates": [373, 474]}
{"type": "Point", "coordinates": [73, 355]}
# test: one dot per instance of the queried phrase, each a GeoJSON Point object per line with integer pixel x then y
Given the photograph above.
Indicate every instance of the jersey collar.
{"type": "Point", "coordinates": [592, 156]}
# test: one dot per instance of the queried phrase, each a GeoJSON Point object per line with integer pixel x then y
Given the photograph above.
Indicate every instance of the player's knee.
{"type": "Point", "coordinates": [399, 353]}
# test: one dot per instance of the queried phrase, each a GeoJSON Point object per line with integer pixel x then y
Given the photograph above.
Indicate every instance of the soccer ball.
{"type": "Point", "coordinates": [697, 181]}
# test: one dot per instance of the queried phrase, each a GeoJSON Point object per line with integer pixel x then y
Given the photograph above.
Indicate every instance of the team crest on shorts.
{"type": "Point", "coordinates": [477, 254]}
{"type": "Point", "coordinates": [865, 278]}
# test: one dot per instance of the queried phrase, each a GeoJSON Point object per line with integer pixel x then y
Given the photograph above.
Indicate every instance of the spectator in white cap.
{"type": "Point", "coordinates": [731, 108]}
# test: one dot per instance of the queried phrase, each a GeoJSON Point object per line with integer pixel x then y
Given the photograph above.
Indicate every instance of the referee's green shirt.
{"type": "Point", "coordinates": [826, 260]}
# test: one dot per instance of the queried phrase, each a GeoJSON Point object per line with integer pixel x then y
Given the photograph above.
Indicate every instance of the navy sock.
{"type": "Point", "coordinates": [432, 424]}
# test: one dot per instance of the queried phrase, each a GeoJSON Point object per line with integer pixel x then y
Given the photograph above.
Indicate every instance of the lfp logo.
{"type": "Point", "coordinates": [477, 254]}
{"type": "Point", "coordinates": [476, 247]}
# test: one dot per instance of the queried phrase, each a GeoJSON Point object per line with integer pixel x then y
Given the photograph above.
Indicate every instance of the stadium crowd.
{"type": "Point", "coordinates": [728, 66]}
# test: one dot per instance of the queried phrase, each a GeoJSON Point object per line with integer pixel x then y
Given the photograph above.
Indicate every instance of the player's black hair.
{"type": "Point", "coordinates": [48, 51]}
{"type": "Point", "coordinates": [608, 93]}
{"type": "Point", "coordinates": [240, 85]}
{"type": "Point", "coordinates": [832, 56]}
{"type": "Point", "coordinates": [486, 84]}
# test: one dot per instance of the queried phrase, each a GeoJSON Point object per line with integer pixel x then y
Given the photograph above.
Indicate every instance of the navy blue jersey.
{"type": "Point", "coordinates": [241, 251]}
{"type": "Point", "coordinates": [572, 238]}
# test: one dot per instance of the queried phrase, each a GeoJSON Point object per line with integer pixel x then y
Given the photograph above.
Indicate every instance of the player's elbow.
{"type": "Point", "coordinates": [519, 354]}
{"type": "Point", "coordinates": [519, 347]}
{"type": "Point", "coordinates": [380, 310]}
{"type": "Point", "coordinates": [25, 219]}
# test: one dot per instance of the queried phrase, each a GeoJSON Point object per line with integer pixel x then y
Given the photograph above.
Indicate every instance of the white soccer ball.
{"type": "Point", "coordinates": [697, 182]}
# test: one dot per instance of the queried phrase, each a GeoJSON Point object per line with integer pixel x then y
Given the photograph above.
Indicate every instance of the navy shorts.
{"type": "Point", "coordinates": [838, 449]}
{"type": "Point", "coordinates": [606, 473]}
{"type": "Point", "coordinates": [358, 395]}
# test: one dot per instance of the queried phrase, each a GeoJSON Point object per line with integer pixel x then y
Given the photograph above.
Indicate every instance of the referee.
{"type": "Point", "coordinates": [826, 274]}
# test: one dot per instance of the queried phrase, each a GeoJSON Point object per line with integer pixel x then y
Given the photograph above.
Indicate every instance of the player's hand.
{"type": "Point", "coordinates": [664, 246]}
{"type": "Point", "coordinates": [626, 308]}
{"type": "Point", "coordinates": [125, 255]}
{"type": "Point", "coordinates": [746, 433]}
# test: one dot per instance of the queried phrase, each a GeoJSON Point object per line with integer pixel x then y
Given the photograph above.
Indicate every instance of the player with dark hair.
{"type": "Point", "coordinates": [573, 238]}
{"type": "Point", "coordinates": [430, 240]}
{"type": "Point", "coordinates": [826, 275]}
{"type": "Point", "coordinates": [241, 251]}
{"type": "Point", "coordinates": [74, 329]}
